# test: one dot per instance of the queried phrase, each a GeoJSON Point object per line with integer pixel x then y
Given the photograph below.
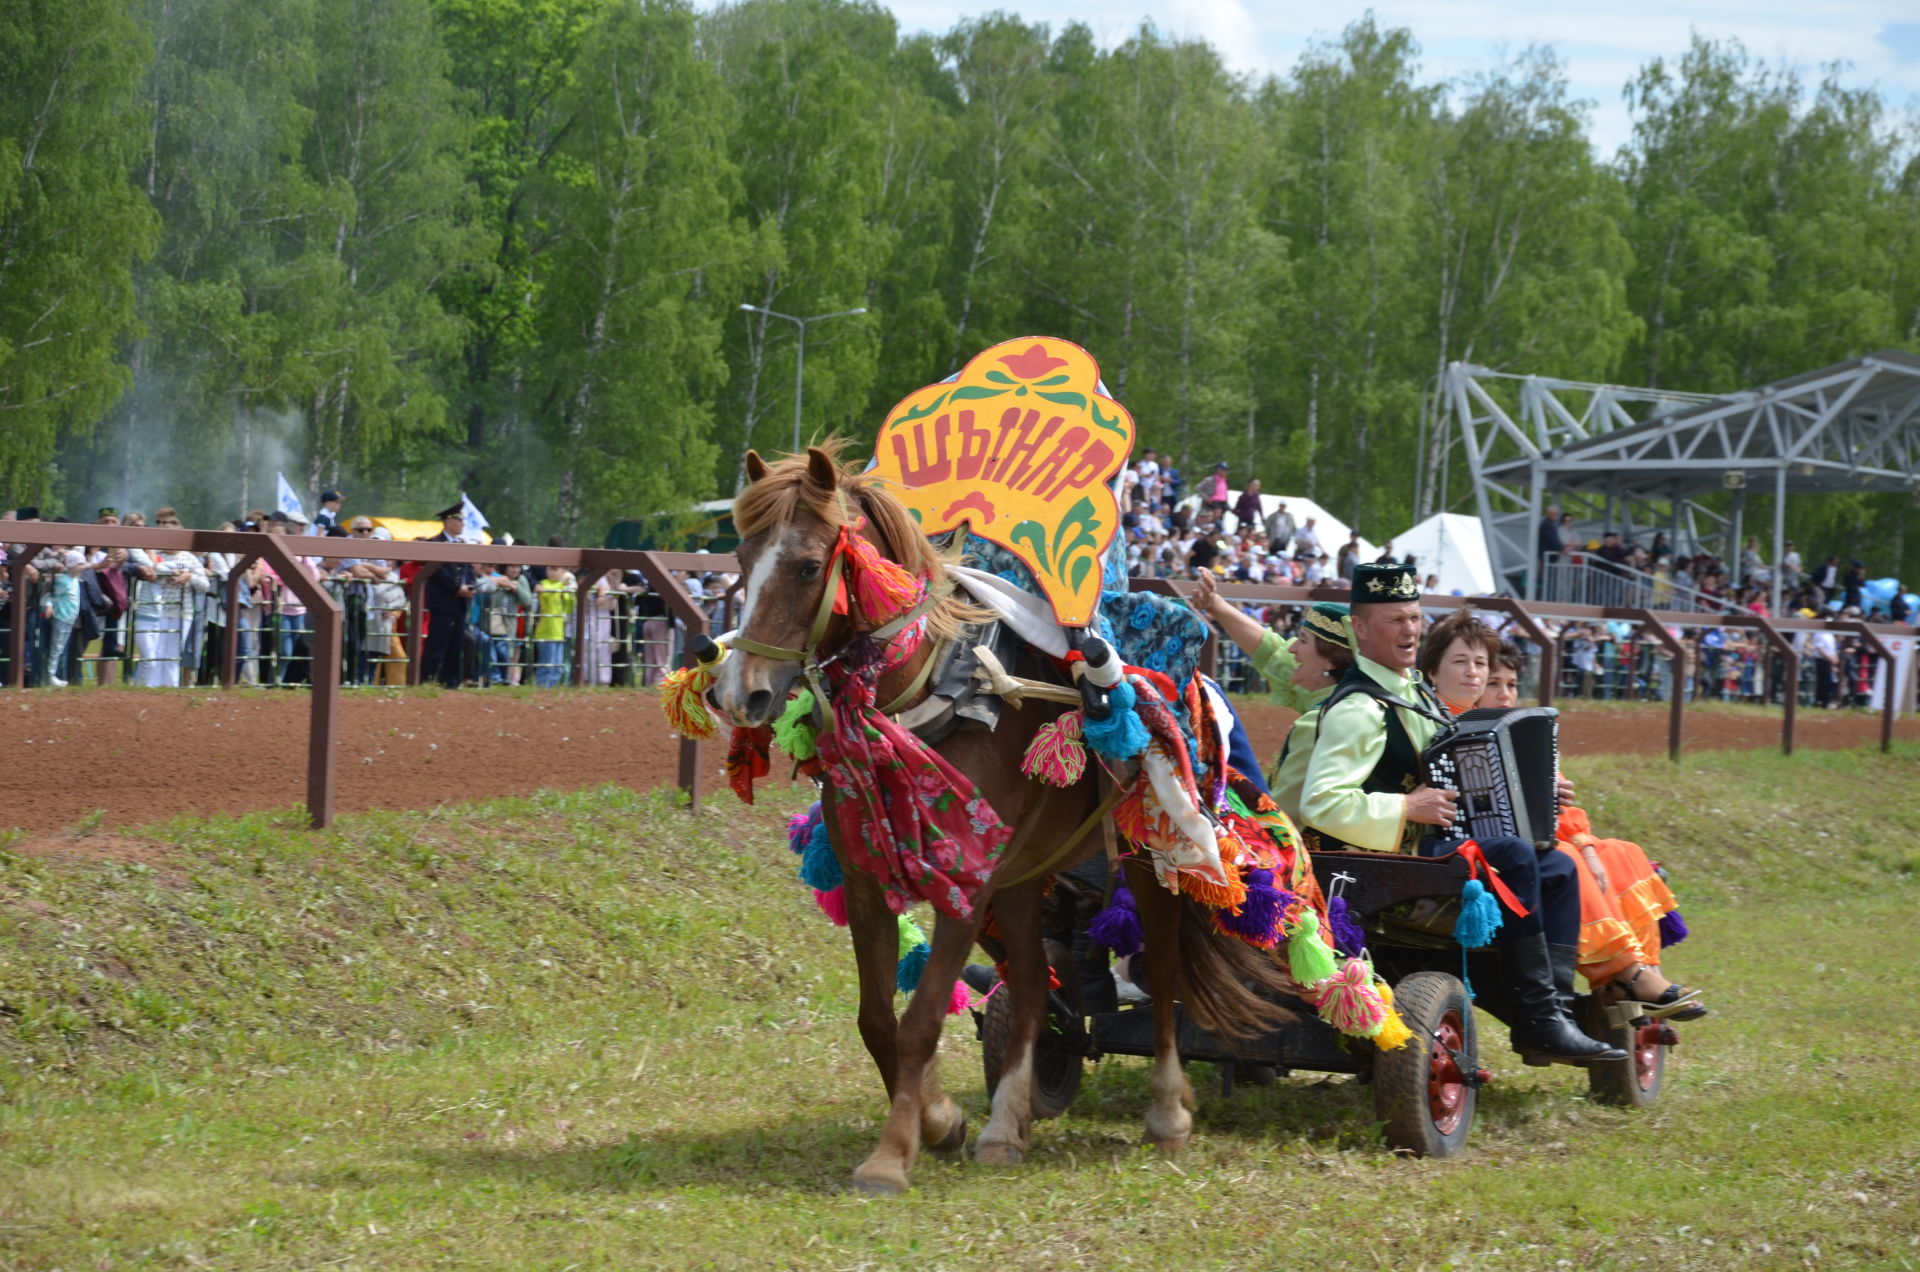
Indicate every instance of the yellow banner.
{"type": "Point", "coordinates": [1022, 447]}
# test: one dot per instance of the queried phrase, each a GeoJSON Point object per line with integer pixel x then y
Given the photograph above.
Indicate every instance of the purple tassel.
{"type": "Point", "coordinates": [1258, 922]}
{"type": "Point", "coordinates": [1118, 926]}
{"type": "Point", "coordinates": [800, 829]}
{"type": "Point", "coordinates": [1348, 936]}
{"type": "Point", "coordinates": [1673, 929]}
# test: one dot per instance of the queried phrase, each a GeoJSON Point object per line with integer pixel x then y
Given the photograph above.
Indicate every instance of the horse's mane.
{"type": "Point", "coordinates": [789, 489]}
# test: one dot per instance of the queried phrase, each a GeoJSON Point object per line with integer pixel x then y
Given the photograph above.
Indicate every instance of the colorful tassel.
{"type": "Point", "coordinates": [882, 589]}
{"type": "Point", "coordinates": [1479, 916]}
{"type": "Point", "coordinates": [1120, 736]}
{"type": "Point", "coordinates": [1673, 929]}
{"type": "Point", "coordinates": [1230, 895]}
{"type": "Point", "coordinates": [800, 829]}
{"type": "Point", "coordinates": [819, 868]}
{"type": "Point", "coordinates": [1394, 1033]}
{"type": "Point", "coordinates": [1309, 961]}
{"type": "Point", "coordinates": [833, 904]}
{"type": "Point", "coordinates": [1257, 921]}
{"type": "Point", "coordinates": [962, 1000]}
{"type": "Point", "coordinates": [794, 731]}
{"type": "Point", "coordinates": [1348, 936]}
{"type": "Point", "coordinates": [910, 935]}
{"type": "Point", "coordinates": [683, 696]}
{"type": "Point", "coordinates": [1056, 755]}
{"type": "Point", "coordinates": [1348, 1001]}
{"type": "Point", "coordinates": [912, 964]}
{"type": "Point", "coordinates": [1118, 926]}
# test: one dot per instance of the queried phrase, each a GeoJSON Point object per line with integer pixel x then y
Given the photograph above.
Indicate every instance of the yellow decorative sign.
{"type": "Point", "coordinates": [1022, 447]}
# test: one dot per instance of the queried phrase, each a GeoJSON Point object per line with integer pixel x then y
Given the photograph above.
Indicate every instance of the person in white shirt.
{"type": "Point", "coordinates": [1306, 540]}
{"type": "Point", "coordinates": [1280, 527]}
{"type": "Point", "coordinates": [162, 585]}
{"type": "Point", "coordinates": [1820, 648]}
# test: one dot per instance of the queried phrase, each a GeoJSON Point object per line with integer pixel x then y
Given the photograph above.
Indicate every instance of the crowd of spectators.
{"type": "Point", "coordinates": [160, 619]}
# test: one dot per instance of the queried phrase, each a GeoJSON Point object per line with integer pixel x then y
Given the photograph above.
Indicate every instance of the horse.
{"type": "Point", "coordinates": [790, 517]}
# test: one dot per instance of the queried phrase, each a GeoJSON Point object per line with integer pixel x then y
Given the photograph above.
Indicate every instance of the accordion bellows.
{"type": "Point", "coordinates": [1503, 763]}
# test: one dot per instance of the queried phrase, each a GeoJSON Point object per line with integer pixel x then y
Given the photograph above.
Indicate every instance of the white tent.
{"type": "Point", "coordinates": [1454, 547]}
{"type": "Point", "coordinates": [1330, 530]}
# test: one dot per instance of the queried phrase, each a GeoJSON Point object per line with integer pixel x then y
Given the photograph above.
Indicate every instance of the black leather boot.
{"type": "Point", "coordinates": [1543, 1030]}
{"type": "Point", "coordinates": [1564, 959]}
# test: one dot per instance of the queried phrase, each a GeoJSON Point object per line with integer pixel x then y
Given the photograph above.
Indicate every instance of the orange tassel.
{"type": "Point", "coordinates": [883, 589]}
{"type": "Point", "coordinates": [1229, 896]}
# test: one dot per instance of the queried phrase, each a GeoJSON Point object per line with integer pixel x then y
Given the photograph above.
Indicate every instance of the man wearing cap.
{"type": "Point", "coordinates": [449, 589]}
{"type": "Point", "coordinates": [329, 514]}
{"type": "Point", "coordinates": [1364, 789]}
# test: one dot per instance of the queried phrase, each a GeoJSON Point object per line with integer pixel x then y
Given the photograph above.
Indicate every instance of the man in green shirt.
{"type": "Point", "coordinates": [1365, 788]}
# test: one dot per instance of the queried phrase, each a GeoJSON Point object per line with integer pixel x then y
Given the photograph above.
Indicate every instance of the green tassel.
{"type": "Point", "coordinates": [910, 936]}
{"type": "Point", "coordinates": [1308, 958]}
{"type": "Point", "coordinates": [794, 731]}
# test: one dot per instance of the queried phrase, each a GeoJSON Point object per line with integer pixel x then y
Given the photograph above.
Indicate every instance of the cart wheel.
{"type": "Point", "coordinates": [1056, 1069]}
{"type": "Point", "coordinates": [1424, 1092]}
{"type": "Point", "coordinates": [1634, 1082]}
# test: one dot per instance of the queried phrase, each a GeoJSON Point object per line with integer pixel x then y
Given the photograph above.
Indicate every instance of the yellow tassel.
{"type": "Point", "coordinates": [683, 696]}
{"type": "Point", "coordinates": [1394, 1033]}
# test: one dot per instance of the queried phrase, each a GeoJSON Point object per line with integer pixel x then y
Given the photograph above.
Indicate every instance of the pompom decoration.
{"type": "Point", "coordinates": [683, 696]}
{"type": "Point", "coordinates": [1118, 926]}
{"type": "Point", "coordinates": [1348, 1001]}
{"type": "Point", "coordinates": [882, 589]}
{"type": "Point", "coordinates": [819, 868]}
{"type": "Point", "coordinates": [1309, 961]}
{"type": "Point", "coordinates": [1056, 755]}
{"type": "Point", "coordinates": [1348, 936]}
{"type": "Point", "coordinates": [912, 963]}
{"type": "Point", "coordinates": [800, 829]}
{"type": "Point", "coordinates": [794, 731]}
{"type": "Point", "coordinates": [961, 1001]}
{"type": "Point", "coordinates": [833, 904]}
{"type": "Point", "coordinates": [1120, 736]}
{"type": "Point", "coordinates": [1673, 929]}
{"type": "Point", "coordinates": [910, 935]}
{"type": "Point", "coordinates": [1394, 1033]}
{"type": "Point", "coordinates": [1257, 920]}
{"type": "Point", "coordinates": [1479, 916]}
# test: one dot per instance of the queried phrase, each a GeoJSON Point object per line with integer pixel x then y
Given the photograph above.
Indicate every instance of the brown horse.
{"type": "Point", "coordinates": [789, 519]}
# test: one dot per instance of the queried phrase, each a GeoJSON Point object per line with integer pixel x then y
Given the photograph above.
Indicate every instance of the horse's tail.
{"type": "Point", "coordinates": [1228, 986]}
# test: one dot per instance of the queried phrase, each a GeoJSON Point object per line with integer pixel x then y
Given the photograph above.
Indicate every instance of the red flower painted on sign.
{"type": "Point", "coordinates": [1032, 364]}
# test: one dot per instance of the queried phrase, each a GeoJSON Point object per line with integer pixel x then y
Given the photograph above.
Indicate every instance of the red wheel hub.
{"type": "Point", "coordinates": [1447, 1088]}
{"type": "Point", "coordinates": [1647, 1040]}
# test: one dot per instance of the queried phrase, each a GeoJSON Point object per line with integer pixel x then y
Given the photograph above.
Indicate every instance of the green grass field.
{"type": "Point", "coordinates": [590, 1031]}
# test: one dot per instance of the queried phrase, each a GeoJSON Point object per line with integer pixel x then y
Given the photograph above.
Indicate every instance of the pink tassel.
{"type": "Point", "coordinates": [883, 589]}
{"type": "Point", "coordinates": [1056, 755]}
{"type": "Point", "coordinates": [962, 1000]}
{"type": "Point", "coordinates": [833, 904]}
{"type": "Point", "coordinates": [1349, 1002]}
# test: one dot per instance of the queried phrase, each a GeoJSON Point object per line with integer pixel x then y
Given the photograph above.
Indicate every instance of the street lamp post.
{"type": "Point", "coordinates": [800, 354]}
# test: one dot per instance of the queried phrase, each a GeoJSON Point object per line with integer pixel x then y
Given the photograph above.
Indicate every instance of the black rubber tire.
{"type": "Point", "coordinates": [1635, 1082]}
{"type": "Point", "coordinates": [1056, 1070]}
{"type": "Point", "coordinates": [1426, 1101]}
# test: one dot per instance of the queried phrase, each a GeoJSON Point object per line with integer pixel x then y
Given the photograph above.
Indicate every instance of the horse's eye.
{"type": "Point", "coordinates": [807, 570]}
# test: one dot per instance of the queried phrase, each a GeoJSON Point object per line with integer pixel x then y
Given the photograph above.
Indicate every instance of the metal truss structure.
{"type": "Point", "coordinates": [1641, 459]}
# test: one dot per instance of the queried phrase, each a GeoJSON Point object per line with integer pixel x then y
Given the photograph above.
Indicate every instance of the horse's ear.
{"type": "Point", "coordinates": [756, 467]}
{"type": "Point", "coordinates": [821, 470]}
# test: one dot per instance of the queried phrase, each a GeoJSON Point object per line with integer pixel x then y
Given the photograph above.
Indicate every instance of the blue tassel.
{"type": "Point", "coordinates": [907, 974]}
{"type": "Point", "coordinates": [1348, 936]}
{"type": "Point", "coordinates": [1479, 916]}
{"type": "Point", "coordinates": [1118, 926]}
{"type": "Point", "coordinates": [1120, 736]}
{"type": "Point", "coordinates": [819, 868]}
{"type": "Point", "coordinates": [1673, 929]}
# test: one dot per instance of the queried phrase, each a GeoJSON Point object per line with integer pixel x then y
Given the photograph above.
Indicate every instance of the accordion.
{"type": "Point", "coordinates": [1504, 764]}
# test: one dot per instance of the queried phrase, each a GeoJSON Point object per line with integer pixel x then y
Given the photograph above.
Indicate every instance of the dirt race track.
{"type": "Point", "coordinates": [143, 756]}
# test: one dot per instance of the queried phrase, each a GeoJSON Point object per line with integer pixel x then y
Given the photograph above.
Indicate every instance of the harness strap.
{"type": "Point", "coordinates": [822, 616]}
{"type": "Point", "coordinates": [1053, 859]}
{"type": "Point", "coordinates": [905, 698]}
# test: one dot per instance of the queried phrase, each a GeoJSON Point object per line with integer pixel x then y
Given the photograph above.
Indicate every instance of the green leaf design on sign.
{"type": "Point", "coordinates": [1034, 535]}
{"type": "Point", "coordinates": [976, 391]}
{"type": "Point", "coordinates": [1076, 542]}
{"type": "Point", "coordinates": [1050, 381]}
{"type": "Point", "coordinates": [919, 413]}
{"type": "Point", "coordinates": [1065, 399]}
{"type": "Point", "coordinates": [1001, 377]}
{"type": "Point", "coordinates": [1110, 423]}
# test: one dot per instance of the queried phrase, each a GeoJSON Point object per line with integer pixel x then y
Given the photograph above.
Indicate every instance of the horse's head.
{"type": "Point", "coordinates": [789, 518]}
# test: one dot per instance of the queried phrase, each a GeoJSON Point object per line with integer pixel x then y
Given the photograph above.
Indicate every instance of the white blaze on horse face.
{"type": "Point", "coordinates": [731, 693]}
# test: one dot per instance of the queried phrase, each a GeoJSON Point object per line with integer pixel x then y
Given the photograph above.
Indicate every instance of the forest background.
{"type": "Point", "coordinates": [410, 247]}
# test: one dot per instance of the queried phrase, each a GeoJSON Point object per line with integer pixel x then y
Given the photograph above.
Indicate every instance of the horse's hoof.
{"type": "Point", "coordinates": [998, 1155]}
{"type": "Point", "coordinates": [874, 1183]}
{"type": "Point", "coordinates": [956, 1137]}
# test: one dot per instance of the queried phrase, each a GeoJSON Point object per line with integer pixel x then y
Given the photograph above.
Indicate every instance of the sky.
{"type": "Point", "coordinates": [1602, 43]}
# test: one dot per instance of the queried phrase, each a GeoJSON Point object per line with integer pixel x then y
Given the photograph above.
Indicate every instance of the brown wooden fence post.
{"type": "Point", "coordinates": [230, 653]}
{"type": "Point", "coordinates": [1889, 706]}
{"type": "Point", "coordinates": [323, 675]}
{"type": "Point", "coordinates": [1676, 710]}
{"type": "Point", "coordinates": [19, 617]}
